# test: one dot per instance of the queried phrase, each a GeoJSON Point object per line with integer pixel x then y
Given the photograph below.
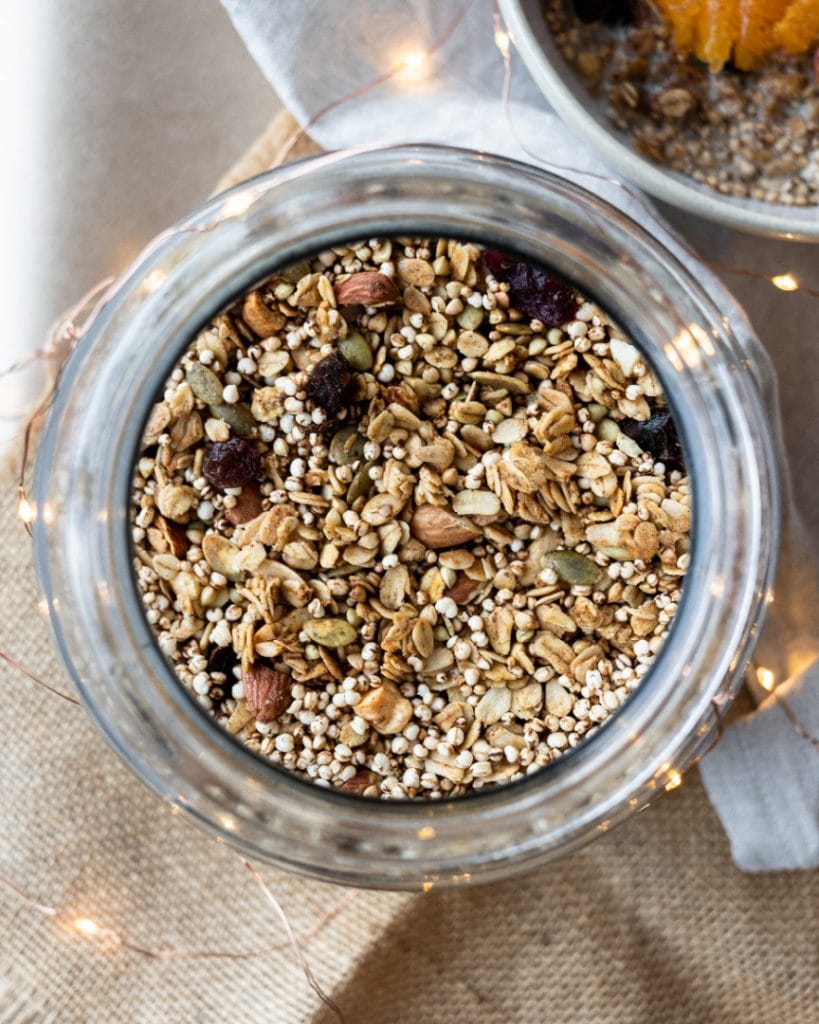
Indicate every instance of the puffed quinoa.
{"type": "Point", "coordinates": [404, 533]}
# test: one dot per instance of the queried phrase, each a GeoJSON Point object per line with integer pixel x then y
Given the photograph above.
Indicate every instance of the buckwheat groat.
{"type": "Point", "coordinates": [411, 518]}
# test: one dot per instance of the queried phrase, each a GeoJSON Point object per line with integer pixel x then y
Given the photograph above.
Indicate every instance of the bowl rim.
{"type": "Point", "coordinates": [735, 213]}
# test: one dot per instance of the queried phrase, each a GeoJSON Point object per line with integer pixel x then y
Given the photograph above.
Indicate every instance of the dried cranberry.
{"type": "Point", "coordinates": [658, 436]}
{"type": "Point", "coordinates": [328, 382]}
{"type": "Point", "coordinates": [222, 659]}
{"type": "Point", "coordinates": [612, 12]}
{"type": "Point", "coordinates": [532, 290]}
{"type": "Point", "coordinates": [232, 463]}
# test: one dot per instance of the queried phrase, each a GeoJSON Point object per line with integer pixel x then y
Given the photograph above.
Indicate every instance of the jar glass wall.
{"type": "Point", "coordinates": [717, 382]}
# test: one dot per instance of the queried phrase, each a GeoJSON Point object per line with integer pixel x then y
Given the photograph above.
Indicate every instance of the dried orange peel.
{"type": "Point", "coordinates": [745, 31]}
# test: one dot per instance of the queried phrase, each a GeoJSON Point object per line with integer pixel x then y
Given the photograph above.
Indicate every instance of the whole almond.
{"type": "Point", "coordinates": [367, 288]}
{"type": "Point", "coordinates": [437, 527]}
{"type": "Point", "coordinates": [359, 782]}
{"type": "Point", "coordinates": [267, 692]}
{"type": "Point", "coordinates": [248, 506]}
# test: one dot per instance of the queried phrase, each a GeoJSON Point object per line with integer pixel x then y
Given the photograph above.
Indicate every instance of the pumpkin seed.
{"type": "Point", "coordinates": [518, 329]}
{"type": "Point", "coordinates": [607, 430]}
{"type": "Point", "coordinates": [330, 632]}
{"type": "Point", "coordinates": [347, 446]}
{"type": "Point", "coordinates": [573, 568]}
{"type": "Point", "coordinates": [356, 351]}
{"type": "Point", "coordinates": [204, 383]}
{"type": "Point", "coordinates": [619, 554]}
{"type": "Point", "coordinates": [296, 271]}
{"type": "Point", "coordinates": [238, 417]}
{"type": "Point", "coordinates": [361, 484]}
{"type": "Point", "coordinates": [513, 385]}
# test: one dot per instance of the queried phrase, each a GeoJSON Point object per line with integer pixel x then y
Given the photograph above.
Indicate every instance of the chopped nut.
{"type": "Point", "coordinates": [259, 317]}
{"type": "Point", "coordinates": [462, 589]}
{"type": "Point", "coordinates": [476, 503]}
{"type": "Point", "coordinates": [360, 783]}
{"type": "Point", "coordinates": [385, 709]}
{"type": "Point", "coordinates": [248, 506]}
{"type": "Point", "coordinates": [175, 502]}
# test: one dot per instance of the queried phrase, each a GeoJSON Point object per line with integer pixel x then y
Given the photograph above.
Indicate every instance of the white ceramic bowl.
{"type": "Point", "coordinates": [567, 94]}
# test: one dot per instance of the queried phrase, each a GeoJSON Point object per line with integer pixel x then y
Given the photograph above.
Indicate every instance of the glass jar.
{"type": "Point", "coordinates": [718, 382]}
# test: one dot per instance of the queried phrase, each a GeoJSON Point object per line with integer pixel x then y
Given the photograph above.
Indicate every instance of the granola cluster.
{"type": "Point", "coordinates": [398, 534]}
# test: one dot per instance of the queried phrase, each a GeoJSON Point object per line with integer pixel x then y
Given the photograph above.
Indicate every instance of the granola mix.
{"type": "Point", "coordinates": [411, 518]}
{"type": "Point", "coordinates": [749, 134]}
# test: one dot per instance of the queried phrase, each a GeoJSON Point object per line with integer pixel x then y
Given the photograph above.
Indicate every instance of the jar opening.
{"type": "Point", "coordinates": [432, 483]}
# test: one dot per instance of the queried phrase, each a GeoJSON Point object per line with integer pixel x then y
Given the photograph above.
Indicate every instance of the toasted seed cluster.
{"type": "Point", "coordinates": [752, 134]}
{"type": "Point", "coordinates": [399, 536]}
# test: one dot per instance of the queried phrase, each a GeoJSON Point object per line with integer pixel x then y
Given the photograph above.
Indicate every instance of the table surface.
{"type": "Point", "coordinates": [124, 114]}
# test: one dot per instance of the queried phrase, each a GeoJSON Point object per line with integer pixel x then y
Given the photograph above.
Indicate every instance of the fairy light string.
{"type": "Point", "coordinates": [71, 330]}
{"type": "Point", "coordinates": [411, 62]}
{"type": "Point", "coordinates": [107, 938]}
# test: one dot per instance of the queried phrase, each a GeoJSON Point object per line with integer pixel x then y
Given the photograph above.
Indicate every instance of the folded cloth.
{"type": "Point", "coordinates": [762, 778]}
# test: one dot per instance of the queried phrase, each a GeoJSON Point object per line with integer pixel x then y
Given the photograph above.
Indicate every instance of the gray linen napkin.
{"type": "Point", "coordinates": [763, 777]}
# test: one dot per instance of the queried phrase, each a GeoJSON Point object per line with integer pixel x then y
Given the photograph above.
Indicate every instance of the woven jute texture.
{"type": "Point", "coordinates": [651, 924]}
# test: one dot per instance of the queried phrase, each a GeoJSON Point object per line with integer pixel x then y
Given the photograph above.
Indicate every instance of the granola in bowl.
{"type": "Point", "coordinates": [739, 116]}
{"type": "Point", "coordinates": [411, 518]}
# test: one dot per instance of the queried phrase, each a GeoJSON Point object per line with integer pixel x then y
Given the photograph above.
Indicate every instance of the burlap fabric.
{"type": "Point", "coordinates": [650, 924]}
